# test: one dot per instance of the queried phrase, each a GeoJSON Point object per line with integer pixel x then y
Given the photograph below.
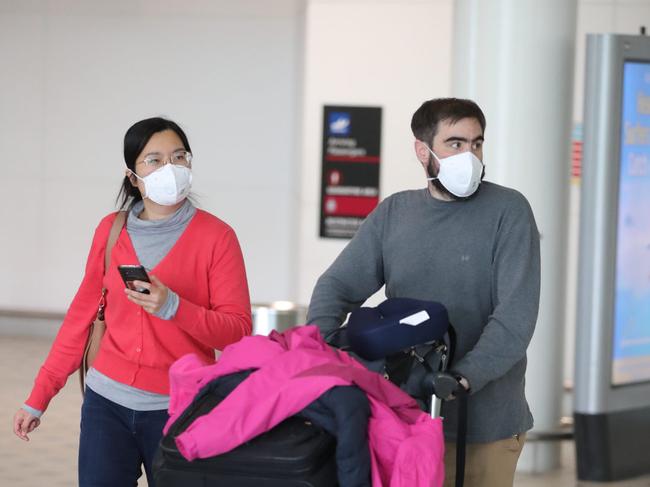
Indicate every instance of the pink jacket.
{"type": "Point", "coordinates": [294, 369]}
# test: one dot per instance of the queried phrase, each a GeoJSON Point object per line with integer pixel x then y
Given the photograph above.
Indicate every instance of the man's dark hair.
{"type": "Point", "coordinates": [424, 123]}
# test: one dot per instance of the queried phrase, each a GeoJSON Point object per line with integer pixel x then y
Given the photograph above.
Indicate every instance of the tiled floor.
{"type": "Point", "coordinates": [50, 458]}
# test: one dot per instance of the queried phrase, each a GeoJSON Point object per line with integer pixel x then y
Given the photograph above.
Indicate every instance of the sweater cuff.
{"type": "Point", "coordinates": [32, 411]}
{"type": "Point", "coordinates": [326, 326]}
{"type": "Point", "coordinates": [40, 397]}
{"type": "Point", "coordinates": [476, 378]}
{"type": "Point", "coordinates": [168, 310]}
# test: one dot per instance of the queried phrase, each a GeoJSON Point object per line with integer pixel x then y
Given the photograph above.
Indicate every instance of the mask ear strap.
{"type": "Point", "coordinates": [432, 153]}
{"type": "Point", "coordinates": [134, 174]}
{"type": "Point", "coordinates": [437, 159]}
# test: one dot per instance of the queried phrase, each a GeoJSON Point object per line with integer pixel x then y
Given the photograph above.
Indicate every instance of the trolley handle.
{"type": "Point", "coordinates": [441, 386]}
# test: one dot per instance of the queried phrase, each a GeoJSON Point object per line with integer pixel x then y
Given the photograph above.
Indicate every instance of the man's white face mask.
{"type": "Point", "coordinates": [460, 174]}
{"type": "Point", "coordinates": [168, 185]}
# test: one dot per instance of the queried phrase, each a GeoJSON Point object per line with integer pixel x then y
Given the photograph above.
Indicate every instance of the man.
{"type": "Point", "coordinates": [472, 246]}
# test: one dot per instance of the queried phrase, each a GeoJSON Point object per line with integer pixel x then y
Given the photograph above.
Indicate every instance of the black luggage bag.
{"type": "Point", "coordinates": [293, 454]}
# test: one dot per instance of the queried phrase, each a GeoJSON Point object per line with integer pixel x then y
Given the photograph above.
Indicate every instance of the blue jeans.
{"type": "Point", "coordinates": [115, 441]}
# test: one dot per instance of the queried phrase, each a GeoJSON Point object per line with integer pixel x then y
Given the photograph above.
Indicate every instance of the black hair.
{"type": "Point", "coordinates": [135, 140]}
{"type": "Point", "coordinates": [424, 123]}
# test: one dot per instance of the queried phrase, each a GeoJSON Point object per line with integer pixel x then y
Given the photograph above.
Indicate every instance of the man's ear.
{"type": "Point", "coordinates": [422, 153]}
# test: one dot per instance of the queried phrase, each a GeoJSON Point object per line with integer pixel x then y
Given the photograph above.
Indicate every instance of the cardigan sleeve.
{"type": "Point", "coordinates": [228, 317]}
{"type": "Point", "coordinates": [67, 349]}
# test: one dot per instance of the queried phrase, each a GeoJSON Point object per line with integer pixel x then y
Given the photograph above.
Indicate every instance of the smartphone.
{"type": "Point", "coordinates": [132, 273]}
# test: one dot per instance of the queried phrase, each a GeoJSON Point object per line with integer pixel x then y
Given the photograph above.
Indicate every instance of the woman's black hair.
{"type": "Point", "coordinates": [134, 141]}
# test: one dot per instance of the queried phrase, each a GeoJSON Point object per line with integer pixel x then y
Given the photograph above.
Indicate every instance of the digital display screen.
{"type": "Point", "coordinates": [631, 347]}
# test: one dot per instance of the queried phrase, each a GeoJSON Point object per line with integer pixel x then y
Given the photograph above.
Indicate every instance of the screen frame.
{"type": "Point", "coordinates": [621, 164]}
{"type": "Point", "coordinates": [593, 390]}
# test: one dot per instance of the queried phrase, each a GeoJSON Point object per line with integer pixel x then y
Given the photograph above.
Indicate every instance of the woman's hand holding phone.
{"type": "Point", "coordinates": [153, 301]}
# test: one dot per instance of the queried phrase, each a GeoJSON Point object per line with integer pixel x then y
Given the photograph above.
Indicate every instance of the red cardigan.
{"type": "Point", "coordinates": [205, 268]}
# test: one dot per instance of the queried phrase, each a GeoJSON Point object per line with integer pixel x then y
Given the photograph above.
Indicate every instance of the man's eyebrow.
{"type": "Point", "coordinates": [455, 138]}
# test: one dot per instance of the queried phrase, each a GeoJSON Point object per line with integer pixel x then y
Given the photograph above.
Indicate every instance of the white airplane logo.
{"type": "Point", "coordinates": [340, 125]}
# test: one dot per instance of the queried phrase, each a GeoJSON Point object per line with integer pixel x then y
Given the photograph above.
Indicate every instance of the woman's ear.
{"type": "Point", "coordinates": [131, 177]}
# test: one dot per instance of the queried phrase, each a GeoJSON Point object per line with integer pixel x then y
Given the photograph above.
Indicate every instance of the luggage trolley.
{"type": "Point", "coordinates": [409, 341]}
{"type": "Point", "coordinates": [412, 343]}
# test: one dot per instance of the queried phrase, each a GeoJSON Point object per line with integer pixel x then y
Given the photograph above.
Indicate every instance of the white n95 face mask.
{"type": "Point", "coordinates": [460, 174]}
{"type": "Point", "coordinates": [168, 185]}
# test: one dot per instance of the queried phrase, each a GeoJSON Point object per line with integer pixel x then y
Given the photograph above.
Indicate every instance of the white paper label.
{"type": "Point", "coordinates": [416, 319]}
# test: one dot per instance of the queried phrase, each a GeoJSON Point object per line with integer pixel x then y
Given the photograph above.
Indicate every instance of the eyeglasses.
{"type": "Point", "coordinates": [180, 158]}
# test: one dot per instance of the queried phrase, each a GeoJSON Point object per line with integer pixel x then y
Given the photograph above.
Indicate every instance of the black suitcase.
{"type": "Point", "coordinates": [293, 454]}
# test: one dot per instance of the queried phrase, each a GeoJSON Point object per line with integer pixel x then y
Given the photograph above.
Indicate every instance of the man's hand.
{"type": "Point", "coordinates": [463, 382]}
{"type": "Point", "coordinates": [153, 301]}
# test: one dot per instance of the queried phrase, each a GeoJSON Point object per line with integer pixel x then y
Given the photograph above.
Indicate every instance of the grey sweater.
{"type": "Point", "coordinates": [480, 258]}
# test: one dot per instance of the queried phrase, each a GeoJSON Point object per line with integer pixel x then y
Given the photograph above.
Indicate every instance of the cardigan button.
{"type": "Point", "coordinates": [138, 350]}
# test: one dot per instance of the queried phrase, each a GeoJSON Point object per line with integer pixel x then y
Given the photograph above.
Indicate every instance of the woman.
{"type": "Point", "coordinates": [197, 301]}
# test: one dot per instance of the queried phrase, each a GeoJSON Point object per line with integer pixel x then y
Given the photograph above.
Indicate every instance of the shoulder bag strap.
{"type": "Point", "coordinates": [118, 224]}
{"type": "Point", "coordinates": [114, 233]}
